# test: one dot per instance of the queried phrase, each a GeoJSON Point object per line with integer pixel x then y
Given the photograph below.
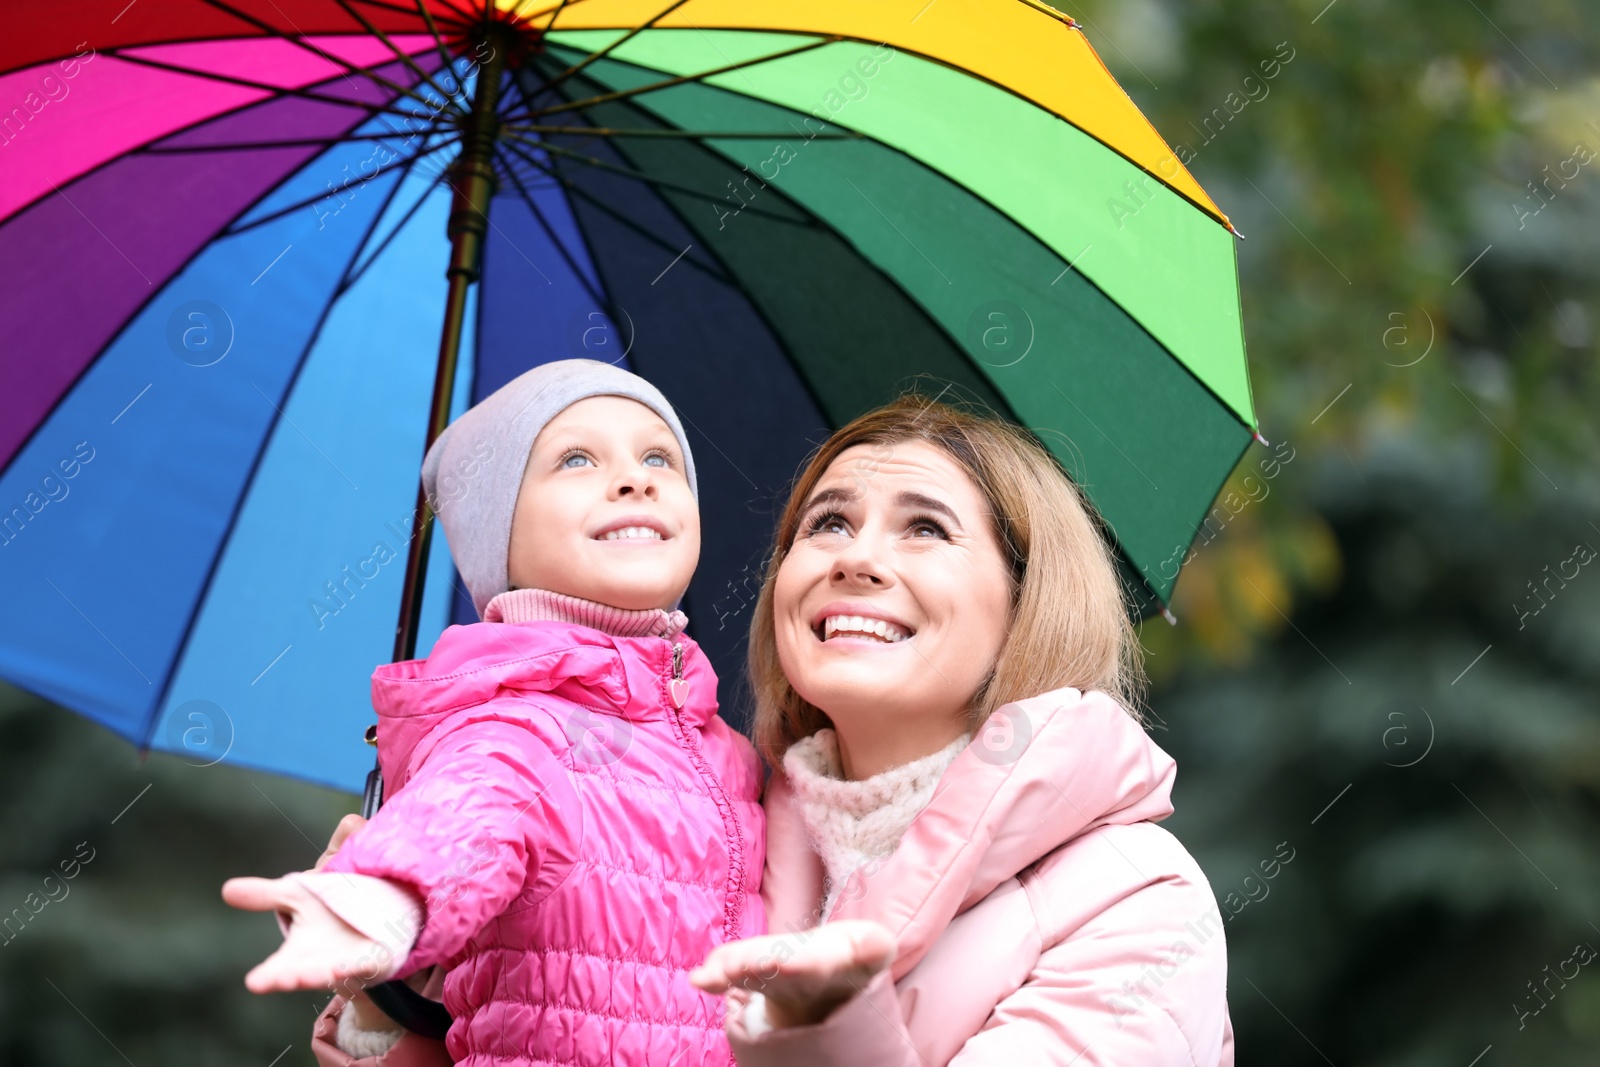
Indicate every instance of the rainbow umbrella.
{"type": "Point", "coordinates": [225, 227]}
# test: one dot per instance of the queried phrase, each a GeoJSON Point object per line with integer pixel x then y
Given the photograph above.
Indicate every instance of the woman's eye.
{"type": "Point", "coordinates": [929, 527]}
{"type": "Point", "coordinates": [827, 522]}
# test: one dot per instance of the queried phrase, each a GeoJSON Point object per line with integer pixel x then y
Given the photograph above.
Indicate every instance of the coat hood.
{"type": "Point", "coordinates": [1042, 772]}
{"type": "Point", "coordinates": [611, 676]}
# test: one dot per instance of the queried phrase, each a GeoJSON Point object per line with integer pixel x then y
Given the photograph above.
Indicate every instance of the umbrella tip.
{"type": "Point", "coordinates": [1039, 5]}
{"type": "Point", "coordinates": [1262, 440]}
{"type": "Point", "coordinates": [1235, 230]}
{"type": "Point", "coordinates": [1166, 613]}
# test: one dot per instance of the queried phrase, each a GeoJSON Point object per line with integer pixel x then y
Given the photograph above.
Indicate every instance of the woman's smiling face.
{"type": "Point", "coordinates": [892, 603]}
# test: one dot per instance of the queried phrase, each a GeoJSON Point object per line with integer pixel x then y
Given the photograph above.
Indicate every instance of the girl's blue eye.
{"type": "Point", "coordinates": [567, 460]}
{"type": "Point", "coordinates": [663, 461]}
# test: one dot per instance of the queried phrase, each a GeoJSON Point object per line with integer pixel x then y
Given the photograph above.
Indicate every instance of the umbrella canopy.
{"type": "Point", "coordinates": [227, 225]}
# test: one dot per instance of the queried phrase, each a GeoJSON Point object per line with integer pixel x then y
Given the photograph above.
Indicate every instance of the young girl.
{"type": "Point", "coordinates": [571, 828]}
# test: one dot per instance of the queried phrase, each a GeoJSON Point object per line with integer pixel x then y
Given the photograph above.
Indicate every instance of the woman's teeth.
{"type": "Point", "coordinates": [631, 533]}
{"type": "Point", "coordinates": [860, 626]}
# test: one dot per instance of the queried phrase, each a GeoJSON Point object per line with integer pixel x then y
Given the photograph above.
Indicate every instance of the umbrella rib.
{"type": "Point", "coordinates": [641, 176]}
{"type": "Point", "coordinates": [234, 231]}
{"type": "Point", "coordinates": [353, 273]}
{"type": "Point", "coordinates": [345, 280]}
{"type": "Point", "coordinates": [468, 16]}
{"type": "Point", "coordinates": [553, 12]}
{"type": "Point", "coordinates": [410, 63]}
{"type": "Point", "coordinates": [637, 174]}
{"type": "Point", "coordinates": [298, 40]}
{"type": "Point", "coordinates": [562, 6]}
{"type": "Point", "coordinates": [438, 41]}
{"type": "Point", "coordinates": [276, 91]}
{"type": "Point", "coordinates": [404, 9]}
{"type": "Point", "coordinates": [668, 83]}
{"type": "Point", "coordinates": [511, 172]}
{"type": "Point", "coordinates": [613, 46]}
{"type": "Point", "coordinates": [555, 239]}
{"type": "Point", "coordinates": [174, 150]}
{"type": "Point", "coordinates": [397, 8]}
{"type": "Point", "coordinates": [609, 210]}
{"type": "Point", "coordinates": [686, 135]}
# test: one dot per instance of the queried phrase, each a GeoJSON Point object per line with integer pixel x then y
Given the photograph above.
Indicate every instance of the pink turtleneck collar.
{"type": "Point", "coordinates": [543, 605]}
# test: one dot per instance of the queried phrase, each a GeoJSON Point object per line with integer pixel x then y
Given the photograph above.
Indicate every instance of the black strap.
{"type": "Point", "coordinates": [411, 1009]}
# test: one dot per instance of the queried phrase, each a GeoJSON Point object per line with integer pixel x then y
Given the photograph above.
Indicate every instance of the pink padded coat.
{"type": "Point", "coordinates": [580, 842]}
{"type": "Point", "coordinates": [1041, 917]}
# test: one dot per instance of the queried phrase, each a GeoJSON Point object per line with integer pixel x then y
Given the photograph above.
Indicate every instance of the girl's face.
{"type": "Point", "coordinates": [899, 536]}
{"type": "Point", "coordinates": [605, 511]}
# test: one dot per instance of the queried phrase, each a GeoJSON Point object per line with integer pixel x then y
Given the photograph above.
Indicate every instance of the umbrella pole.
{"type": "Point", "coordinates": [472, 180]}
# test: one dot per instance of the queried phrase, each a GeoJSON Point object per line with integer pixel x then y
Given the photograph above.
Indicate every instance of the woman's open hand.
{"type": "Point", "coordinates": [319, 951]}
{"type": "Point", "coordinates": [805, 976]}
{"type": "Point", "coordinates": [347, 826]}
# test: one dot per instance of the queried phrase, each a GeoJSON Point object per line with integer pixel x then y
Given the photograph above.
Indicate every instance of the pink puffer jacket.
{"type": "Point", "coordinates": [1041, 916]}
{"type": "Point", "coordinates": [579, 842]}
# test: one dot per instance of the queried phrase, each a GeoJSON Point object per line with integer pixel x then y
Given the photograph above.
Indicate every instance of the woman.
{"type": "Point", "coordinates": [963, 865]}
{"type": "Point", "coordinates": [1004, 901]}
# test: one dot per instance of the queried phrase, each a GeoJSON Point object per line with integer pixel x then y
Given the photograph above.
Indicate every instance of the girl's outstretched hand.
{"type": "Point", "coordinates": [805, 976]}
{"type": "Point", "coordinates": [320, 950]}
{"type": "Point", "coordinates": [368, 1015]}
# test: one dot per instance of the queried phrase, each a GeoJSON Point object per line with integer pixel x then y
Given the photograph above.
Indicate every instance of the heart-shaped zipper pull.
{"type": "Point", "coordinates": [678, 687]}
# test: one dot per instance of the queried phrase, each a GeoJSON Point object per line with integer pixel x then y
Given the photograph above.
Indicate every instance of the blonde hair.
{"type": "Point", "coordinates": [1069, 624]}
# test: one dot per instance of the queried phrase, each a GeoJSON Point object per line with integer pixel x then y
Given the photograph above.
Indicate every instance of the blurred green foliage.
{"type": "Point", "coordinates": [1358, 668]}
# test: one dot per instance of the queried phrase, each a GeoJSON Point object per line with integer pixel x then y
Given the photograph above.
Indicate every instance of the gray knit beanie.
{"type": "Point", "coordinates": [474, 470]}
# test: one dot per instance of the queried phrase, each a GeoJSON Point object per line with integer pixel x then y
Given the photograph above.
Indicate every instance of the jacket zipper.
{"type": "Point", "coordinates": [733, 907]}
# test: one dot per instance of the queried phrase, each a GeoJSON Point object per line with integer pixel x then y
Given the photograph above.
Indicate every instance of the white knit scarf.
{"type": "Point", "coordinates": [851, 823]}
